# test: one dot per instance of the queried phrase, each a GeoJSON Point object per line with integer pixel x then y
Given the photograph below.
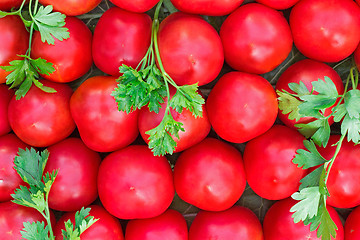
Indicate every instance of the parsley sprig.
{"type": "Point", "coordinates": [313, 191]}
{"type": "Point", "coordinates": [26, 71]}
{"type": "Point", "coordinates": [148, 85]}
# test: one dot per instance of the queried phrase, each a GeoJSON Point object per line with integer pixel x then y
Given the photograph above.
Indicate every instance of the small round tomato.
{"type": "Point", "coordinates": [70, 57]}
{"type": "Point", "coordinates": [170, 225]}
{"type": "Point", "coordinates": [256, 38]}
{"type": "Point", "coordinates": [190, 56]}
{"type": "Point", "coordinates": [102, 126]}
{"type": "Point", "coordinates": [352, 225]}
{"type": "Point", "coordinates": [133, 183]}
{"type": "Point", "coordinates": [207, 7]}
{"type": "Point", "coordinates": [241, 106]}
{"type": "Point", "coordinates": [278, 4]}
{"type": "Point", "coordinates": [210, 175]}
{"type": "Point", "coordinates": [7, 5]}
{"type": "Point", "coordinates": [357, 57]}
{"type": "Point", "coordinates": [5, 97]}
{"type": "Point", "coordinates": [72, 7]}
{"type": "Point", "coordinates": [139, 6]}
{"type": "Point", "coordinates": [41, 119]}
{"type": "Point", "coordinates": [14, 41]}
{"type": "Point", "coordinates": [120, 37]}
{"type": "Point", "coordinates": [235, 223]}
{"type": "Point", "coordinates": [326, 30]}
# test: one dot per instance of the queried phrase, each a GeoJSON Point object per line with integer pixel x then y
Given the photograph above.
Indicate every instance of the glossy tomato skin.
{"type": "Point", "coordinates": [241, 106]}
{"type": "Point", "coordinates": [357, 57]}
{"type": "Point", "coordinates": [72, 7]}
{"type": "Point", "coordinates": [256, 38]}
{"type": "Point", "coordinates": [10, 180]}
{"type": "Point", "coordinates": [76, 181]}
{"type": "Point", "coordinates": [70, 57]}
{"type": "Point", "coordinates": [120, 37]}
{"type": "Point", "coordinates": [102, 126]}
{"type": "Point", "coordinates": [237, 223]}
{"type": "Point", "coordinates": [14, 41]}
{"type": "Point", "coordinates": [210, 175]}
{"type": "Point", "coordinates": [190, 56]}
{"type": "Point", "coordinates": [7, 5]}
{"type": "Point", "coordinates": [279, 225]}
{"type": "Point", "coordinates": [41, 119]}
{"type": "Point", "coordinates": [5, 97]}
{"type": "Point", "coordinates": [318, 36]}
{"type": "Point", "coordinates": [278, 4]}
{"type": "Point", "coordinates": [307, 71]}
{"type": "Point", "coordinates": [133, 183]}
{"type": "Point", "coordinates": [139, 6]}
{"type": "Point", "coordinates": [352, 225]}
{"type": "Point", "coordinates": [207, 7]}
{"type": "Point", "coordinates": [107, 226]}
{"type": "Point", "coordinates": [170, 225]}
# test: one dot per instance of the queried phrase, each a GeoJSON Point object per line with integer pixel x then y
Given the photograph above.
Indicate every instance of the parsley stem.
{"type": "Point", "coordinates": [328, 165]}
{"type": "Point", "coordinates": [48, 216]}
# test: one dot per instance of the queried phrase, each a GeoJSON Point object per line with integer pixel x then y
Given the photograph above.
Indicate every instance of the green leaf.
{"type": "Point", "coordinates": [312, 179]}
{"type": "Point", "coordinates": [187, 96]}
{"type": "Point", "coordinates": [35, 231]}
{"type": "Point", "coordinates": [339, 112]}
{"type": "Point", "coordinates": [307, 159]}
{"type": "Point", "coordinates": [289, 104]}
{"type": "Point", "coordinates": [351, 127]}
{"type": "Point", "coordinates": [307, 207]}
{"type": "Point", "coordinates": [300, 89]}
{"type": "Point", "coordinates": [23, 196]}
{"type": "Point", "coordinates": [318, 130]}
{"type": "Point", "coordinates": [42, 66]}
{"type": "Point", "coordinates": [82, 222]}
{"type": "Point", "coordinates": [352, 103]}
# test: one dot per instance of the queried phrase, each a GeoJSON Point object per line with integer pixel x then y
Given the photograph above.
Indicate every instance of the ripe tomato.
{"type": "Point", "coordinates": [133, 183]}
{"type": "Point", "coordinates": [14, 40]}
{"type": "Point", "coordinates": [120, 37]}
{"type": "Point", "coordinates": [207, 7]}
{"type": "Point", "coordinates": [139, 6]}
{"type": "Point", "coordinates": [5, 97]}
{"type": "Point", "coordinates": [278, 4]}
{"type": "Point", "coordinates": [279, 225]}
{"type": "Point", "coordinates": [102, 127]}
{"type": "Point", "coordinates": [71, 57]}
{"type": "Point", "coordinates": [7, 5]}
{"type": "Point", "coordinates": [41, 119]}
{"type": "Point", "coordinates": [237, 223]}
{"type": "Point", "coordinates": [76, 182]}
{"type": "Point", "coordinates": [307, 71]}
{"type": "Point", "coordinates": [210, 175]}
{"type": "Point", "coordinates": [170, 225]}
{"type": "Point", "coordinates": [72, 7]}
{"type": "Point", "coordinates": [256, 38]}
{"type": "Point", "coordinates": [352, 225]}
{"type": "Point", "coordinates": [326, 30]}
{"type": "Point", "coordinates": [190, 56]}
{"type": "Point", "coordinates": [107, 226]}
{"type": "Point", "coordinates": [241, 106]}
{"type": "Point", "coordinates": [357, 57]}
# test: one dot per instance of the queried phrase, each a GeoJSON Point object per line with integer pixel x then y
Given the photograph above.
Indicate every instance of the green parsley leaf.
{"type": "Point", "coordinates": [299, 88]}
{"type": "Point", "coordinates": [351, 127]}
{"type": "Point", "coordinates": [312, 179]}
{"type": "Point", "coordinates": [82, 222]}
{"type": "Point", "coordinates": [35, 231]}
{"type": "Point", "coordinates": [23, 196]}
{"type": "Point", "coordinates": [307, 159]}
{"type": "Point", "coordinates": [318, 130]}
{"type": "Point", "coordinates": [352, 103]}
{"type": "Point", "coordinates": [187, 96]}
{"type": "Point", "coordinates": [289, 104]}
{"type": "Point", "coordinates": [339, 112]}
{"type": "Point", "coordinates": [307, 207]}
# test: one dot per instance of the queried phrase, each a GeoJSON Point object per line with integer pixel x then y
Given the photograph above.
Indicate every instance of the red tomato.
{"type": "Point", "coordinates": [120, 37]}
{"type": "Point", "coordinates": [107, 226]}
{"type": "Point", "coordinates": [279, 225]}
{"type": "Point", "coordinates": [7, 5]}
{"type": "Point", "coordinates": [9, 179]}
{"type": "Point", "coordinates": [190, 56]}
{"type": "Point", "coordinates": [236, 223]}
{"type": "Point", "coordinates": [307, 71]}
{"type": "Point", "coordinates": [326, 30]}
{"type": "Point", "coordinates": [102, 127]}
{"type": "Point", "coordinates": [278, 4]}
{"type": "Point", "coordinates": [41, 119]}
{"type": "Point", "coordinates": [170, 225]}
{"type": "Point", "coordinates": [76, 182]}
{"type": "Point", "coordinates": [256, 38]}
{"type": "Point", "coordinates": [207, 7]}
{"type": "Point", "coordinates": [210, 175]}
{"type": "Point", "coordinates": [357, 57]}
{"type": "Point", "coordinates": [139, 6]}
{"type": "Point", "coordinates": [133, 183]}
{"type": "Point", "coordinates": [72, 7]}
{"type": "Point", "coordinates": [241, 106]}
{"type": "Point", "coordinates": [14, 40]}
{"type": "Point", "coordinates": [71, 57]}
{"type": "Point", "coordinates": [5, 97]}
{"type": "Point", "coordinates": [344, 177]}
{"type": "Point", "coordinates": [352, 225]}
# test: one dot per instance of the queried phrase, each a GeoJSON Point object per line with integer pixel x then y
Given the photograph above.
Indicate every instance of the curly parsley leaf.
{"type": "Point", "coordinates": [307, 159]}
{"type": "Point", "coordinates": [289, 104]}
{"type": "Point", "coordinates": [318, 130]}
{"type": "Point", "coordinates": [35, 231]}
{"type": "Point", "coordinates": [187, 96]}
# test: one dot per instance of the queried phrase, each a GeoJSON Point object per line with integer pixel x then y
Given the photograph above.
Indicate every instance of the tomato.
{"type": "Point", "coordinates": [326, 30]}
{"type": "Point", "coordinates": [307, 71]}
{"type": "Point", "coordinates": [76, 182]}
{"type": "Point", "coordinates": [279, 225]}
{"type": "Point", "coordinates": [210, 175]}
{"type": "Point", "coordinates": [7, 5]}
{"type": "Point", "coordinates": [120, 37]}
{"type": "Point", "coordinates": [357, 57]}
{"type": "Point", "coordinates": [102, 127]}
{"type": "Point", "coordinates": [344, 177]}
{"type": "Point", "coordinates": [71, 57]}
{"type": "Point", "coordinates": [5, 97]}
{"type": "Point", "coordinates": [107, 226]}
{"type": "Point", "coordinates": [278, 4]}
{"type": "Point", "coordinates": [170, 225]}
{"type": "Point", "coordinates": [256, 38]}
{"type": "Point", "coordinates": [352, 225]}
{"type": "Point", "coordinates": [207, 7]}
{"type": "Point", "coordinates": [139, 6]}
{"type": "Point", "coordinates": [133, 183]}
{"type": "Point", "coordinates": [237, 223]}
{"type": "Point", "coordinates": [72, 7]}
{"type": "Point", "coordinates": [14, 40]}
{"type": "Point", "coordinates": [190, 56]}
{"type": "Point", "coordinates": [41, 119]}
{"type": "Point", "coordinates": [241, 106]}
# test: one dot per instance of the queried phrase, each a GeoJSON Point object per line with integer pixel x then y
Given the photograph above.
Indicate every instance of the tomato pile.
{"type": "Point", "coordinates": [197, 140]}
